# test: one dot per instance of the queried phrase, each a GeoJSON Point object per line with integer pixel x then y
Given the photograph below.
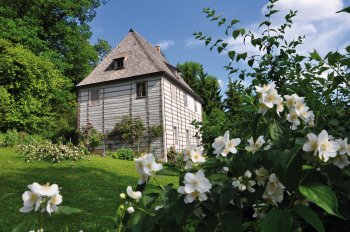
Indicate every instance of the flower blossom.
{"type": "Point", "coordinates": [244, 182]}
{"type": "Point", "coordinates": [262, 175]}
{"type": "Point", "coordinates": [41, 197]}
{"type": "Point", "coordinates": [268, 97]}
{"type": "Point", "coordinates": [298, 110]}
{"type": "Point", "coordinates": [341, 161]}
{"type": "Point", "coordinates": [343, 146]}
{"type": "Point", "coordinates": [274, 190]}
{"type": "Point", "coordinates": [146, 165]}
{"type": "Point", "coordinates": [196, 185]}
{"type": "Point", "coordinates": [223, 145]}
{"type": "Point", "coordinates": [193, 154]}
{"type": "Point", "coordinates": [255, 146]}
{"type": "Point", "coordinates": [321, 145]}
{"type": "Point", "coordinates": [136, 195]}
{"type": "Point", "coordinates": [130, 210]}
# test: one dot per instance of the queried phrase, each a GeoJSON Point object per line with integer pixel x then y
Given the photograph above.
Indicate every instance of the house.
{"type": "Point", "coordinates": [135, 79]}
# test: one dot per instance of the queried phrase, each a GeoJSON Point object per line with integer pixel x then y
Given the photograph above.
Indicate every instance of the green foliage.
{"type": "Point", "coordinates": [173, 156]}
{"type": "Point", "coordinates": [103, 48]}
{"type": "Point", "coordinates": [90, 137]}
{"type": "Point", "coordinates": [34, 92]}
{"type": "Point", "coordinates": [13, 138]}
{"type": "Point", "coordinates": [155, 132]}
{"type": "Point", "coordinates": [123, 154]}
{"type": "Point", "coordinates": [204, 85]}
{"type": "Point", "coordinates": [128, 130]}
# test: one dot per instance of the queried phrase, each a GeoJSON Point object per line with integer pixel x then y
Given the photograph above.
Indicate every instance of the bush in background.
{"type": "Point", "coordinates": [13, 138]}
{"type": "Point", "coordinates": [90, 137]}
{"type": "Point", "coordinates": [123, 154]}
{"type": "Point", "coordinates": [50, 152]}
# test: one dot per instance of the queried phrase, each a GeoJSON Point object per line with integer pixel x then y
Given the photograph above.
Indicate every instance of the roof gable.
{"type": "Point", "coordinates": [141, 58]}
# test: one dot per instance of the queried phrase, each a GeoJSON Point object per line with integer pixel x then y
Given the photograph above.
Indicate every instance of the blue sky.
{"type": "Point", "coordinates": [171, 24]}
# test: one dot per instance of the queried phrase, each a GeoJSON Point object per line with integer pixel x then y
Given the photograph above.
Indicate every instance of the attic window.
{"type": "Point", "coordinates": [118, 63]}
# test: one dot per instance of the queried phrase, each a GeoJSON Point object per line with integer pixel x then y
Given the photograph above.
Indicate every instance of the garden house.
{"type": "Point", "coordinates": [136, 80]}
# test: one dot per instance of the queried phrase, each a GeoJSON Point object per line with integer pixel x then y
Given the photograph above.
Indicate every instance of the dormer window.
{"type": "Point", "coordinates": [118, 63]}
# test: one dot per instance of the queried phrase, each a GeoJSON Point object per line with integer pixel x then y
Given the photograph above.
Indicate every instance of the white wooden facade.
{"type": "Point", "coordinates": [168, 102]}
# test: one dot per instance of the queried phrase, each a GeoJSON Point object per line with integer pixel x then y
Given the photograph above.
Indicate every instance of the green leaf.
{"type": "Point", "coordinates": [242, 56]}
{"type": "Point", "coordinates": [208, 223]}
{"type": "Point", "coordinates": [68, 210]}
{"type": "Point", "coordinates": [218, 178]}
{"type": "Point", "coordinates": [231, 54]}
{"type": "Point", "coordinates": [227, 194]}
{"type": "Point", "coordinates": [314, 55]}
{"type": "Point", "coordinates": [310, 217]}
{"type": "Point", "coordinates": [234, 22]}
{"type": "Point", "coordinates": [232, 221]}
{"type": "Point", "coordinates": [220, 49]}
{"type": "Point", "coordinates": [183, 211]}
{"type": "Point", "coordinates": [148, 200]}
{"type": "Point", "coordinates": [169, 171]}
{"type": "Point", "coordinates": [251, 62]}
{"type": "Point", "coordinates": [236, 33]}
{"type": "Point", "coordinates": [323, 196]}
{"type": "Point", "coordinates": [242, 31]}
{"type": "Point", "coordinates": [347, 10]}
{"type": "Point", "coordinates": [279, 134]}
{"type": "Point", "coordinates": [277, 220]}
{"type": "Point", "coordinates": [24, 226]}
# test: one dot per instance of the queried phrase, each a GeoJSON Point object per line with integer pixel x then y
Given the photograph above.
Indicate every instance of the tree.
{"type": "Point", "coordinates": [204, 85]}
{"type": "Point", "coordinates": [55, 29]}
{"type": "Point", "coordinates": [33, 91]}
{"type": "Point", "coordinates": [103, 48]}
{"type": "Point", "coordinates": [234, 97]}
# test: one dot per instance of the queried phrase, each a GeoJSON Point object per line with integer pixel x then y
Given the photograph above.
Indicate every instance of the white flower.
{"type": "Point", "coordinates": [344, 146]}
{"type": "Point", "coordinates": [44, 190]}
{"type": "Point", "coordinates": [311, 145]}
{"type": "Point", "coordinates": [189, 164]}
{"type": "Point", "coordinates": [223, 145]}
{"type": "Point", "coordinates": [225, 169]}
{"type": "Point", "coordinates": [261, 176]}
{"type": "Point", "coordinates": [158, 207]}
{"type": "Point", "coordinates": [196, 155]}
{"type": "Point", "coordinates": [51, 205]}
{"type": "Point", "coordinates": [272, 98]}
{"type": "Point", "coordinates": [195, 186]}
{"type": "Point", "coordinates": [326, 149]}
{"type": "Point", "coordinates": [219, 143]}
{"type": "Point", "coordinates": [130, 210]}
{"type": "Point", "coordinates": [262, 91]}
{"type": "Point", "coordinates": [146, 165]}
{"type": "Point", "coordinates": [259, 210]}
{"type": "Point", "coordinates": [291, 100]}
{"type": "Point", "coordinates": [187, 152]}
{"type": "Point", "coordinates": [308, 117]}
{"type": "Point", "coordinates": [244, 183]}
{"type": "Point", "coordinates": [136, 195]}
{"type": "Point", "coordinates": [31, 201]}
{"type": "Point", "coordinates": [341, 161]}
{"type": "Point", "coordinates": [255, 146]}
{"type": "Point", "coordinates": [274, 190]}
{"type": "Point", "coordinates": [293, 117]}
{"type": "Point", "coordinates": [262, 108]}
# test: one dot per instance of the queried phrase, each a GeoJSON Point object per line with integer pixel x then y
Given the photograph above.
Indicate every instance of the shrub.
{"type": "Point", "coordinates": [123, 154]}
{"type": "Point", "coordinates": [173, 156]}
{"type": "Point", "coordinates": [13, 138]}
{"type": "Point", "coordinates": [50, 152]}
{"type": "Point", "coordinates": [90, 137]}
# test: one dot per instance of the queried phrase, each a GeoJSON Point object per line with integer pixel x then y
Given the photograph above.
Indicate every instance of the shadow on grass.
{"type": "Point", "coordinates": [93, 190]}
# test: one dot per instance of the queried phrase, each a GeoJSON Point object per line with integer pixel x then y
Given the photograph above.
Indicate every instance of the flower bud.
{"type": "Point", "coordinates": [122, 195]}
{"type": "Point", "coordinates": [130, 210]}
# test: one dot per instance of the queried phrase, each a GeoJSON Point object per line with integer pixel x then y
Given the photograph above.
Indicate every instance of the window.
{"type": "Point", "coordinates": [95, 97]}
{"type": "Point", "coordinates": [176, 136]}
{"type": "Point", "coordinates": [195, 106]}
{"type": "Point", "coordinates": [118, 63]}
{"type": "Point", "coordinates": [185, 99]}
{"type": "Point", "coordinates": [173, 92]}
{"type": "Point", "coordinates": [188, 141]}
{"type": "Point", "coordinates": [141, 90]}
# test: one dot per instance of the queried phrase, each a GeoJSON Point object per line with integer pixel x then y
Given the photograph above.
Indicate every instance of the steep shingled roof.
{"type": "Point", "coordinates": [141, 58]}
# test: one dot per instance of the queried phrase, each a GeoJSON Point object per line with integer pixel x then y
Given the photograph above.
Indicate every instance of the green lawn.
{"type": "Point", "coordinates": [92, 185]}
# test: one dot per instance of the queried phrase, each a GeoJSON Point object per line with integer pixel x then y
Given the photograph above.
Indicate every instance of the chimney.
{"type": "Point", "coordinates": [157, 48]}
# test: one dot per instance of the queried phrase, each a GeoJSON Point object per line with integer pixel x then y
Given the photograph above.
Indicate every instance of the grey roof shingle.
{"type": "Point", "coordinates": [141, 58]}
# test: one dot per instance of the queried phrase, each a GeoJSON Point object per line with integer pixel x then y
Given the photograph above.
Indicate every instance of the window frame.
{"type": "Point", "coordinates": [94, 102]}
{"type": "Point", "coordinates": [115, 62]}
{"type": "Point", "coordinates": [144, 83]}
{"type": "Point", "coordinates": [188, 140]}
{"type": "Point", "coordinates": [176, 135]}
{"type": "Point", "coordinates": [185, 100]}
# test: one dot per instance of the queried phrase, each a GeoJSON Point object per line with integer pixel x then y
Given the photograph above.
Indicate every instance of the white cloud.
{"type": "Point", "coordinates": [165, 44]}
{"type": "Point", "coordinates": [192, 43]}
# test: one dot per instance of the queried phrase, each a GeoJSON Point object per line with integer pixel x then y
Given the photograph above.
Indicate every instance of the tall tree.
{"type": "Point", "coordinates": [234, 96]}
{"type": "Point", "coordinates": [57, 29]}
{"type": "Point", "coordinates": [103, 48]}
{"type": "Point", "coordinates": [206, 86]}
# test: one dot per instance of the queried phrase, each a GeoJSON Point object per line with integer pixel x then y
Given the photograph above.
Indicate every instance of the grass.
{"type": "Point", "coordinates": [92, 185]}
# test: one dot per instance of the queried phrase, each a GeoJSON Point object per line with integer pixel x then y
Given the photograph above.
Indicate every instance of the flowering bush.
{"type": "Point", "coordinates": [42, 199]}
{"type": "Point", "coordinates": [285, 177]}
{"type": "Point", "coordinates": [90, 137]}
{"type": "Point", "coordinates": [50, 152]}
